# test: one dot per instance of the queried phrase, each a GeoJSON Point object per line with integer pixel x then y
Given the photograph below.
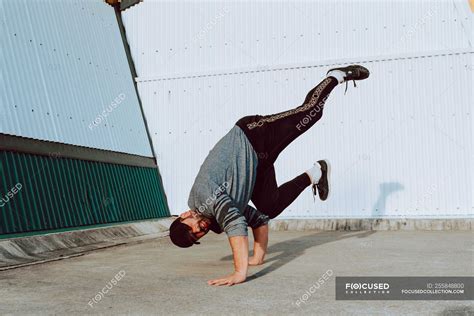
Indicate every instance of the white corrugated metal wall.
{"type": "Point", "coordinates": [401, 145]}
{"type": "Point", "coordinates": [65, 76]}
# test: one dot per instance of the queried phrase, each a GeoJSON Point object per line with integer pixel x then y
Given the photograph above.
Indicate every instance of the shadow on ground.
{"type": "Point", "coordinates": [293, 248]}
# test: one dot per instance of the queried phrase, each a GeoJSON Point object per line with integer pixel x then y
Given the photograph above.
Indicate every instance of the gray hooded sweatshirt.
{"type": "Point", "coordinates": [224, 186]}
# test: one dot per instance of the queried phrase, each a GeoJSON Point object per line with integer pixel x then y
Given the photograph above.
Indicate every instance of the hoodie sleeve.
{"type": "Point", "coordinates": [255, 219]}
{"type": "Point", "coordinates": [229, 217]}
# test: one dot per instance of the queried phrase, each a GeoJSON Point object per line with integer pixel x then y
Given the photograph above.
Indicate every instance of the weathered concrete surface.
{"type": "Point", "coordinates": [160, 279]}
{"type": "Point", "coordinates": [49, 247]}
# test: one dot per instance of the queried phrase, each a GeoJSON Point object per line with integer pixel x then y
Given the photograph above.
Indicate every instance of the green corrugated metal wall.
{"type": "Point", "coordinates": [55, 192]}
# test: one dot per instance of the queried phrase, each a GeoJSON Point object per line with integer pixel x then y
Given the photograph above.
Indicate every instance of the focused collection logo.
{"type": "Point", "coordinates": [404, 288]}
{"type": "Point", "coordinates": [367, 288]}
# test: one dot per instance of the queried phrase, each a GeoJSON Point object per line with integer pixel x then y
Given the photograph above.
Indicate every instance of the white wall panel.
{"type": "Point", "coordinates": [397, 148]}
{"type": "Point", "coordinates": [63, 63]}
{"type": "Point", "coordinates": [170, 38]}
{"type": "Point", "coordinates": [401, 144]}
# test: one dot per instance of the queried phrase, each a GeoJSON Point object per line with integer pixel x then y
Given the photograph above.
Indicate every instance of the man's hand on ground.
{"type": "Point", "coordinates": [230, 280]}
{"type": "Point", "coordinates": [240, 250]}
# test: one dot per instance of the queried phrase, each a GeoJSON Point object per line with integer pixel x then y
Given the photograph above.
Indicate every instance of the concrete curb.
{"type": "Point", "coordinates": [21, 251]}
{"type": "Point", "coordinates": [378, 224]}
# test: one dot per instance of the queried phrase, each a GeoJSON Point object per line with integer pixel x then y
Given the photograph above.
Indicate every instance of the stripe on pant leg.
{"type": "Point", "coordinates": [304, 107]}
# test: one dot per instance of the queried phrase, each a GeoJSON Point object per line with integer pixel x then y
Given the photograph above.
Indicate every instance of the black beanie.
{"type": "Point", "coordinates": [180, 234]}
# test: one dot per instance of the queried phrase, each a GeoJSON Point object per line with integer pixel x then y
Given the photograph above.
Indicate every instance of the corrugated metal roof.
{"type": "Point", "coordinates": [53, 192]}
{"type": "Point", "coordinates": [63, 64]}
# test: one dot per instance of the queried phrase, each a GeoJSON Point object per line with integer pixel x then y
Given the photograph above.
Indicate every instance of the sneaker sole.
{"type": "Point", "coordinates": [328, 176]}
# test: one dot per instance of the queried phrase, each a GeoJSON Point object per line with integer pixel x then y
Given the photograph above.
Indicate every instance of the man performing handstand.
{"type": "Point", "coordinates": [240, 168]}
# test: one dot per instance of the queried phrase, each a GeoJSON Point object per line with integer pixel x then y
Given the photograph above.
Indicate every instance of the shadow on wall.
{"type": "Point", "coordinates": [386, 189]}
{"type": "Point", "coordinates": [379, 208]}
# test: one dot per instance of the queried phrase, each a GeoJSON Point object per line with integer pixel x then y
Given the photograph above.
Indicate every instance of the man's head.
{"type": "Point", "coordinates": [188, 228]}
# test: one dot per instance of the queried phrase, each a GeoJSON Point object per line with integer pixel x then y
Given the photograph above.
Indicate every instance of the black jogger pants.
{"type": "Point", "coordinates": [269, 135]}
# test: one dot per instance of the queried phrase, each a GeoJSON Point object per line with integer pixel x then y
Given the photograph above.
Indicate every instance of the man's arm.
{"type": "Point", "coordinates": [234, 223]}
{"type": "Point", "coordinates": [260, 236]}
{"type": "Point", "coordinates": [240, 250]}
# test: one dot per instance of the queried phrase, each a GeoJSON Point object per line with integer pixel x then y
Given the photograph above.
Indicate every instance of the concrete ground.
{"type": "Point", "coordinates": [156, 278]}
